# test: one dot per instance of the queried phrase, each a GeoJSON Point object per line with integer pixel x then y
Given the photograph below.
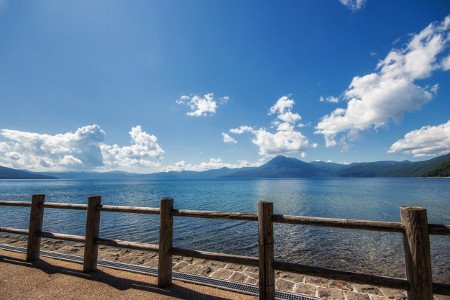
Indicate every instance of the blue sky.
{"type": "Point", "coordinates": [154, 85]}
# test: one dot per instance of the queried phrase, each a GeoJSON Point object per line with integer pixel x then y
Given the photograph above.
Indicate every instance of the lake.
{"type": "Point", "coordinates": [357, 198]}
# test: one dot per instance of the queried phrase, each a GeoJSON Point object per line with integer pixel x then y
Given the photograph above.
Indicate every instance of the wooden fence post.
{"type": "Point", "coordinates": [265, 241]}
{"type": "Point", "coordinates": [92, 233]}
{"type": "Point", "coordinates": [416, 243]}
{"type": "Point", "coordinates": [35, 227]}
{"type": "Point", "coordinates": [165, 243]}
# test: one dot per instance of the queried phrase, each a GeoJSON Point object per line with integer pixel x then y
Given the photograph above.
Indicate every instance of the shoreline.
{"type": "Point", "coordinates": [285, 281]}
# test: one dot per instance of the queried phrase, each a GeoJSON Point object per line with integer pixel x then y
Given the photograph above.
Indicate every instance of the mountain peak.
{"type": "Point", "coordinates": [279, 158]}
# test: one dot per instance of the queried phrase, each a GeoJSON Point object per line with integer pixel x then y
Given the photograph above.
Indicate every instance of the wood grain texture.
{"type": "Point", "coordinates": [340, 223]}
{"type": "Point", "coordinates": [224, 257]}
{"type": "Point", "coordinates": [62, 236]}
{"type": "Point", "coordinates": [92, 234]}
{"type": "Point", "coordinates": [130, 209]}
{"type": "Point", "coordinates": [215, 215]}
{"type": "Point", "coordinates": [15, 203]}
{"type": "Point", "coordinates": [165, 243]}
{"type": "Point", "coordinates": [439, 229]}
{"type": "Point", "coordinates": [129, 245]}
{"type": "Point", "coordinates": [441, 289]}
{"type": "Point", "coordinates": [35, 227]}
{"type": "Point", "coordinates": [65, 206]}
{"type": "Point", "coordinates": [265, 243]}
{"type": "Point", "coordinates": [416, 244]}
{"type": "Point", "coordinates": [14, 230]}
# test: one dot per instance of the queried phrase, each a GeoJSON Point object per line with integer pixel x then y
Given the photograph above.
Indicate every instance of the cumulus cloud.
{"type": "Point", "coordinates": [375, 99]}
{"type": "Point", "coordinates": [330, 99]}
{"type": "Point", "coordinates": [213, 163]}
{"type": "Point", "coordinates": [227, 138]}
{"type": "Point", "coordinates": [426, 141]}
{"type": "Point", "coordinates": [353, 5]}
{"type": "Point", "coordinates": [83, 149]}
{"type": "Point", "coordinates": [142, 152]}
{"type": "Point", "coordinates": [242, 129]}
{"type": "Point", "coordinates": [204, 105]}
{"type": "Point", "coordinates": [282, 105]}
{"type": "Point", "coordinates": [30, 150]}
{"type": "Point", "coordinates": [286, 138]}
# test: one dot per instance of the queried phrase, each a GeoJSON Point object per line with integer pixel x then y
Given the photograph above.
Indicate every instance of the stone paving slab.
{"type": "Point", "coordinates": [284, 281]}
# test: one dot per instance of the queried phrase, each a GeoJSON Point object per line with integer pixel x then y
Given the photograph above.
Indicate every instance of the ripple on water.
{"type": "Point", "coordinates": [357, 198]}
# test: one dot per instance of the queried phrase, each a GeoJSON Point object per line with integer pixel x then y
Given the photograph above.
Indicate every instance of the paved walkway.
{"type": "Point", "coordinates": [285, 281]}
{"type": "Point", "coordinates": [55, 279]}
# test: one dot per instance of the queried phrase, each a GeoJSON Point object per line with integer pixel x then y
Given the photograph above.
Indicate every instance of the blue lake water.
{"type": "Point", "coordinates": [357, 198]}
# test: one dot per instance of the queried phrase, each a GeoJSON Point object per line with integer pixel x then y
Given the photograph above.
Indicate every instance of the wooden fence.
{"type": "Point", "coordinates": [414, 227]}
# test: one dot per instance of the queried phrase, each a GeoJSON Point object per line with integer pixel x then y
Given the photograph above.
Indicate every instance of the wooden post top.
{"type": "Point", "coordinates": [412, 208]}
{"type": "Point", "coordinates": [265, 202]}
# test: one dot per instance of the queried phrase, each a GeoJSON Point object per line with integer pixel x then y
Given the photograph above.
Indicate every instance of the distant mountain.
{"type": "Point", "coordinates": [8, 173]}
{"type": "Point", "coordinates": [390, 168]}
{"type": "Point", "coordinates": [440, 170]}
{"type": "Point", "coordinates": [281, 167]}
{"type": "Point", "coordinates": [91, 175]}
{"type": "Point", "coordinates": [208, 174]}
{"type": "Point", "coordinates": [286, 167]}
{"type": "Point", "coordinates": [278, 167]}
{"type": "Point", "coordinates": [328, 166]}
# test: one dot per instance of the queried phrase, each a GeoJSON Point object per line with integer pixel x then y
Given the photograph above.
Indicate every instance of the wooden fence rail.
{"type": "Point", "coordinates": [413, 226]}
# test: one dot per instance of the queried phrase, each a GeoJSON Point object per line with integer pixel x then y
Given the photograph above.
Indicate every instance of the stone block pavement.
{"type": "Point", "coordinates": [285, 281]}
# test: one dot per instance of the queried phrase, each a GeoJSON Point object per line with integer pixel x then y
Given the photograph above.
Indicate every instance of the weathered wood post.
{"type": "Point", "coordinates": [416, 243]}
{"type": "Point", "coordinates": [165, 243]}
{"type": "Point", "coordinates": [265, 241]}
{"type": "Point", "coordinates": [35, 227]}
{"type": "Point", "coordinates": [92, 233]}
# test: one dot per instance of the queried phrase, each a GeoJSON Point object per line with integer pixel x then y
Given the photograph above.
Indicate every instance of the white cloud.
{"type": "Point", "coordinates": [446, 63]}
{"type": "Point", "coordinates": [242, 129]}
{"type": "Point", "coordinates": [142, 152]}
{"type": "Point", "coordinates": [289, 117]}
{"type": "Point", "coordinates": [30, 150]}
{"type": "Point", "coordinates": [282, 105]}
{"type": "Point", "coordinates": [391, 91]}
{"type": "Point", "coordinates": [202, 105]}
{"type": "Point", "coordinates": [285, 139]}
{"type": "Point", "coordinates": [224, 99]}
{"type": "Point", "coordinates": [80, 150]}
{"type": "Point", "coordinates": [330, 99]}
{"type": "Point", "coordinates": [426, 141]}
{"type": "Point", "coordinates": [213, 163]}
{"type": "Point", "coordinates": [179, 166]}
{"type": "Point", "coordinates": [227, 138]}
{"type": "Point", "coordinates": [353, 5]}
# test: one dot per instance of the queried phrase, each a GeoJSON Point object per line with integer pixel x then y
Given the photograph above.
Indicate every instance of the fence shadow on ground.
{"type": "Point", "coordinates": [119, 283]}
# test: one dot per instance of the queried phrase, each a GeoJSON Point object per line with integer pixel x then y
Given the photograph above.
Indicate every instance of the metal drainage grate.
{"type": "Point", "coordinates": [191, 278]}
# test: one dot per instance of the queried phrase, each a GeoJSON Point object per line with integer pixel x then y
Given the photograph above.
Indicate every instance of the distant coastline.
{"type": "Point", "coordinates": [278, 167]}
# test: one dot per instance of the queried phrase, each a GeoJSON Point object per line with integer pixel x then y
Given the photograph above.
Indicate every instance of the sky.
{"type": "Point", "coordinates": [148, 86]}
